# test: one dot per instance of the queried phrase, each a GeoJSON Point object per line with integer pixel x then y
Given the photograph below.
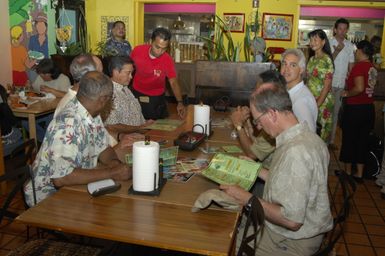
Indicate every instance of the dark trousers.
{"type": "Point", "coordinates": [356, 124]}
{"type": "Point", "coordinates": [153, 107]}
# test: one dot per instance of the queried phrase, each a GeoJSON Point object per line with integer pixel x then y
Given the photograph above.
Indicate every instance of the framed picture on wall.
{"type": "Point", "coordinates": [106, 25]}
{"type": "Point", "coordinates": [277, 26]}
{"type": "Point", "coordinates": [234, 21]}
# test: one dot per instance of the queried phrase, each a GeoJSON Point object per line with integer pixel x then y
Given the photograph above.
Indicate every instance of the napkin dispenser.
{"type": "Point", "coordinates": [190, 140]}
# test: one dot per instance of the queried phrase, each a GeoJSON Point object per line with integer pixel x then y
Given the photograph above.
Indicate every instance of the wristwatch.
{"type": "Point", "coordinates": [239, 127]}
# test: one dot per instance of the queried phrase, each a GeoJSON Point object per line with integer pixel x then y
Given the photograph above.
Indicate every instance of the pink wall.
{"type": "Point", "coordinates": [343, 12]}
{"type": "Point", "coordinates": [180, 8]}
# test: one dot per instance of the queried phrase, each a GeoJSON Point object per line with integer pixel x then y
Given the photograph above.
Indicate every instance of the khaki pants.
{"type": "Point", "coordinates": [337, 105]}
{"type": "Point", "coordinates": [273, 244]}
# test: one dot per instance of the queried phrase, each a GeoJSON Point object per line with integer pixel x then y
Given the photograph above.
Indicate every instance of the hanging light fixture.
{"type": "Point", "coordinates": [178, 23]}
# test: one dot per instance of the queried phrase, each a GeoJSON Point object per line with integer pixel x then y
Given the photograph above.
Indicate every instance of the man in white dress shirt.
{"type": "Point", "coordinates": [293, 67]}
{"type": "Point", "coordinates": [343, 55]}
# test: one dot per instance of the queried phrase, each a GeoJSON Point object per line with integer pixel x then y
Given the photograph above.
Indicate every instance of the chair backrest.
{"type": "Point", "coordinates": [255, 219]}
{"type": "Point", "coordinates": [29, 149]}
{"type": "Point", "coordinates": [346, 187]}
{"type": "Point", "coordinates": [17, 178]}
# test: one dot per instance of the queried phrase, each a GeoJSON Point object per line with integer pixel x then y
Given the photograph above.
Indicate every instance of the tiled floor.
{"type": "Point", "coordinates": [364, 234]}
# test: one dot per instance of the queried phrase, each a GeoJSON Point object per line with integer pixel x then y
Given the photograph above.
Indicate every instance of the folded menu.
{"type": "Point", "coordinates": [227, 169]}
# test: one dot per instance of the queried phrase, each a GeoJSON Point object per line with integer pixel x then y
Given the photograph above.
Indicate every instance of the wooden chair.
{"type": "Point", "coordinates": [22, 155]}
{"type": "Point", "coordinates": [16, 177]}
{"type": "Point", "coordinates": [255, 219]}
{"type": "Point", "coordinates": [346, 187]}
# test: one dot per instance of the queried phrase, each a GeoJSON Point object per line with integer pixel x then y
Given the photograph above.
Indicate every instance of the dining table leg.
{"type": "Point", "coordinates": [32, 126]}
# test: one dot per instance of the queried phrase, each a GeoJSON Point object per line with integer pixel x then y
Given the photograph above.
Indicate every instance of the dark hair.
{"type": "Point", "coordinates": [47, 66]}
{"type": "Point", "coordinates": [375, 39]}
{"type": "Point", "coordinates": [367, 48]}
{"type": "Point", "coordinates": [117, 62]}
{"type": "Point", "coordinates": [93, 85]}
{"type": "Point", "coordinates": [3, 94]}
{"type": "Point", "coordinates": [118, 22]}
{"type": "Point", "coordinates": [341, 21]}
{"type": "Point", "coordinates": [272, 76]}
{"type": "Point", "coordinates": [162, 33]}
{"type": "Point", "coordinates": [326, 48]}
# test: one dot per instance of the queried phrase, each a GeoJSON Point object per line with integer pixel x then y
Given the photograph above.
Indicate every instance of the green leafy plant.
{"type": "Point", "coordinates": [251, 37]}
{"type": "Point", "coordinates": [102, 50]}
{"type": "Point", "coordinates": [216, 49]}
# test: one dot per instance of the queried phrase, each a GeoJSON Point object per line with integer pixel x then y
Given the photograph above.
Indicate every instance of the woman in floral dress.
{"type": "Point", "coordinates": [320, 70]}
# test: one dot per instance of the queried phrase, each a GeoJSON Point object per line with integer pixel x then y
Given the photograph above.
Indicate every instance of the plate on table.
{"type": "Point", "coordinates": [35, 95]}
{"type": "Point", "coordinates": [19, 106]}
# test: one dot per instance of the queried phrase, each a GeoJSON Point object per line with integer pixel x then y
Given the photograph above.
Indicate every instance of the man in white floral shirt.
{"type": "Point", "coordinates": [126, 113]}
{"type": "Point", "coordinates": [76, 142]}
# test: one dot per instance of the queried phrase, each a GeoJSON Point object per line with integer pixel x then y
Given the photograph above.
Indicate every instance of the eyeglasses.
{"type": "Point", "coordinates": [258, 119]}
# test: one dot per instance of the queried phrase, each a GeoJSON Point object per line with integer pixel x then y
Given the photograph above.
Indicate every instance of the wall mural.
{"type": "Point", "coordinates": [29, 41]}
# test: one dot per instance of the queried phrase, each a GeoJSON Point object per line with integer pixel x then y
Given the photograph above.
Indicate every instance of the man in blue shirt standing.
{"type": "Point", "coordinates": [117, 45]}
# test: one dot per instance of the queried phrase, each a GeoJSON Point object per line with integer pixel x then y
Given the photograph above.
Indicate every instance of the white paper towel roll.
{"type": "Point", "coordinates": [145, 163]}
{"type": "Point", "coordinates": [202, 117]}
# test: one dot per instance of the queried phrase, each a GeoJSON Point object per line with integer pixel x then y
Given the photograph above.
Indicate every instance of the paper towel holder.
{"type": "Point", "coordinates": [156, 191]}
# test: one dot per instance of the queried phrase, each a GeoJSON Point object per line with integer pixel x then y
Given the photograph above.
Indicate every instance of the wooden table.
{"type": "Point", "coordinates": [136, 221]}
{"type": "Point", "coordinates": [39, 108]}
{"type": "Point", "coordinates": [163, 221]}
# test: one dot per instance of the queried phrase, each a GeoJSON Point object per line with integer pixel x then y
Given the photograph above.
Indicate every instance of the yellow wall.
{"type": "Point", "coordinates": [95, 9]}
{"type": "Point", "coordinates": [135, 10]}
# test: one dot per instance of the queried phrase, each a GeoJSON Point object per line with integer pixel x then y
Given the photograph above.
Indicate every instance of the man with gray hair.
{"type": "Point", "coordinates": [293, 67]}
{"type": "Point", "coordinates": [76, 142]}
{"type": "Point", "coordinates": [80, 65]}
{"type": "Point", "coordinates": [295, 198]}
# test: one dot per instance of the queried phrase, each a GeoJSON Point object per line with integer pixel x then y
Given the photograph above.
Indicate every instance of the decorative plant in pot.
{"type": "Point", "coordinates": [254, 45]}
{"type": "Point", "coordinates": [66, 51]}
{"type": "Point", "coordinates": [216, 50]}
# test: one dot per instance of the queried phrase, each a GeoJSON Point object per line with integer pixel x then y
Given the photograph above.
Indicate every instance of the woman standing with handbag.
{"type": "Point", "coordinates": [358, 116]}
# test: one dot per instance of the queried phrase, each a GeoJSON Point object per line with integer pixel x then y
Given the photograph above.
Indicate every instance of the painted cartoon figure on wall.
{"type": "Point", "coordinates": [28, 27]}
{"type": "Point", "coordinates": [20, 59]}
{"type": "Point", "coordinates": [38, 43]}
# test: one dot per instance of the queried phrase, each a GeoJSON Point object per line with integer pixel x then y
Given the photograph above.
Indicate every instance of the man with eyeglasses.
{"type": "Point", "coordinates": [293, 67]}
{"type": "Point", "coordinates": [76, 142]}
{"type": "Point", "coordinates": [295, 198]}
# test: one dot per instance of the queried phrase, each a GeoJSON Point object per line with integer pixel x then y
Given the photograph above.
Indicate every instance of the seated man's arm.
{"type": "Point", "coordinates": [272, 211]}
{"type": "Point", "coordinates": [57, 93]}
{"type": "Point", "coordinates": [263, 174]}
{"type": "Point", "coordinates": [109, 157]}
{"type": "Point", "coordinates": [239, 117]}
{"type": "Point", "coordinates": [273, 214]}
{"type": "Point", "coordinates": [83, 176]}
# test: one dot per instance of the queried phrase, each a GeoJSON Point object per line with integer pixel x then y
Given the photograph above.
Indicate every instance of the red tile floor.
{"type": "Point", "coordinates": [364, 232]}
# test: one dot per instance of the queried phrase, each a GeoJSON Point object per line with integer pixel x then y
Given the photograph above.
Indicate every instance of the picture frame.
{"type": "Point", "coordinates": [106, 25]}
{"type": "Point", "coordinates": [235, 22]}
{"type": "Point", "coordinates": [277, 26]}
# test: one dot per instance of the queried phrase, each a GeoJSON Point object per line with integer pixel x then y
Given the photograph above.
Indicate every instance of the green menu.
{"type": "Point", "coordinates": [227, 169]}
{"type": "Point", "coordinates": [165, 124]}
{"type": "Point", "coordinates": [169, 156]}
